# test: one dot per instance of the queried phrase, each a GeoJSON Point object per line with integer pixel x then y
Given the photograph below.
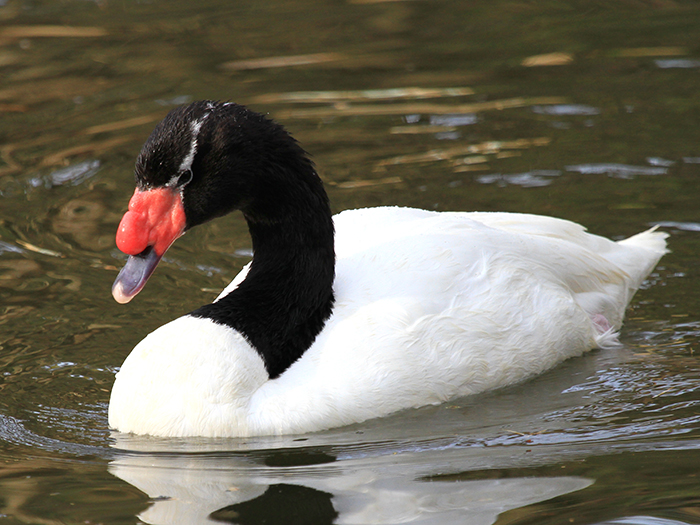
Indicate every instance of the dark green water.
{"type": "Point", "coordinates": [582, 110]}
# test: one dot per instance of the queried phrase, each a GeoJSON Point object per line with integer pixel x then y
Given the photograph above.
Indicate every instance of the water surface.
{"type": "Point", "coordinates": [582, 110]}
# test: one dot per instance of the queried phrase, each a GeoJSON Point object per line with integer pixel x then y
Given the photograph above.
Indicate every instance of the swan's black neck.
{"type": "Point", "coordinates": [287, 296]}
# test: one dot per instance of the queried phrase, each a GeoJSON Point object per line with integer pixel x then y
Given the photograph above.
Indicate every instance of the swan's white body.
{"type": "Point", "coordinates": [429, 306]}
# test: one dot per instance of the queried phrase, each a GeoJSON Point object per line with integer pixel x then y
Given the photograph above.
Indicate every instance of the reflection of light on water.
{"type": "Point", "coordinates": [72, 175]}
{"type": "Point", "coordinates": [459, 119]}
{"type": "Point", "coordinates": [642, 520]}
{"type": "Point", "coordinates": [566, 109]}
{"type": "Point", "coordinates": [367, 94]}
{"type": "Point", "coordinates": [685, 226]}
{"type": "Point", "coordinates": [682, 63]}
{"type": "Point", "coordinates": [175, 101]}
{"type": "Point", "coordinates": [656, 161]}
{"type": "Point", "coordinates": [370, 109]}
{"type": "Point", "coordinates": [9, 247]}
{"type": "Point", "coordinates": [281, 61]}
{"type": "Point", "coordinates": [620, 171]}
{"type": "Point", "coordinates": [531, 179]}
{"type": "Point", "coordinates": [491, 147]}
{"type": "Point", "coordinates": [203, 489]}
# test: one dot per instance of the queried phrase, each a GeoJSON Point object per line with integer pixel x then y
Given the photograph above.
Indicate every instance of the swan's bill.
{"type": "Point", "coordinates": [132, 278]}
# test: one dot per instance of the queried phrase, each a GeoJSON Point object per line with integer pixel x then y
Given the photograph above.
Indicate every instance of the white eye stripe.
{"type": "Point", "coordinates": [186, 163]}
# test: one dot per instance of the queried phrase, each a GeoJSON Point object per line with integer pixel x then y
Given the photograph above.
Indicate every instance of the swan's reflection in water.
{"type": "Point", "coordinates": [392, 488]}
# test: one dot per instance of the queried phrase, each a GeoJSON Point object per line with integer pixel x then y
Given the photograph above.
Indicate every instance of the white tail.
{"type": "Point", "coordinates": [650, 246]}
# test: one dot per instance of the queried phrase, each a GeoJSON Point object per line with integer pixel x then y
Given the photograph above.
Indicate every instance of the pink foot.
{"type": "Point", "coordinates": [601, 324]}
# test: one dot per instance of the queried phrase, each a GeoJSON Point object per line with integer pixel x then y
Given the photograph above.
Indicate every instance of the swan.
{"type": "Point", "coordinates": [339, 319]}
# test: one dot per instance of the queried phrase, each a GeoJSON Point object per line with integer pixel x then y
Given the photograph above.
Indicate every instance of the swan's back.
{"type": "Point", "coordinates": [601, 274]}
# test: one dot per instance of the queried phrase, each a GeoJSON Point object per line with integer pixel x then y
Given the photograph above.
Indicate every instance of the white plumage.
{"type": "Point", "coordinates": [429, 306]}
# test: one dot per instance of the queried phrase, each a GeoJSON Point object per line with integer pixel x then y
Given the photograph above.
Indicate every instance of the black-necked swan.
{"type": "Point", "coordinates": [341, 319]}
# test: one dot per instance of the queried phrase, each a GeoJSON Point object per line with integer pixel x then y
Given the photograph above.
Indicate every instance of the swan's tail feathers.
{"type": "Point", "coordinates": [651, 240]}
{"type": "Point", "coordinates": [644, 251]}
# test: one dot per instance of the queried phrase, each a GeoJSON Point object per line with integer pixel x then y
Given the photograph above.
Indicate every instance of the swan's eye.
{"type": "Point", "coordinates": [182, 179]}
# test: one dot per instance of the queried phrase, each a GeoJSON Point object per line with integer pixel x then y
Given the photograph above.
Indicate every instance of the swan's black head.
{"type": "Point", "coordinates": [222, 157]}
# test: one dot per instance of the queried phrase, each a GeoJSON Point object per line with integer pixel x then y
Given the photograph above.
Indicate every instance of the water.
{"type": "Point", "coordinates": [583, 110]}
